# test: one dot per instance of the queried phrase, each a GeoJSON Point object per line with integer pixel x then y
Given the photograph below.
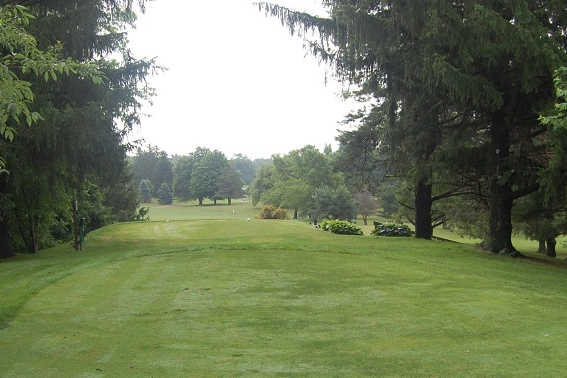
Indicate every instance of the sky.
{"type": "Point", "coordinates": [236, 80]}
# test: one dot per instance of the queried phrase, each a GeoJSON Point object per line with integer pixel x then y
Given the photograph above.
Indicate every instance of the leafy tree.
{"type": "Point", "coordinates": [366, 205]}
{"type": "Point", "coordinates": [263, 183]}
{"type": "Point", "coordinates": [229, 184]}
{"type": "Point", "coordinates": [165, 194]}
{"type": "Point", "coordinates": [244, 167]}
{"type": "Point", "coordinates": [153, 164]}
{"type": "Point", "coordinates": [216, 163]}
{"type": "Point", "coordinates": [296, 175]}
{"type": "Point", "coordinates": [145, 189]}
{"type": "Point", "coordinates": [332, 203]}
{"type": "Point", "coordinates": [182, 171]}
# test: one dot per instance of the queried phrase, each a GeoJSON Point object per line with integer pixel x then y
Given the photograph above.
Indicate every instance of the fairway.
{"type": "Point", "coordinates": [207, 292]}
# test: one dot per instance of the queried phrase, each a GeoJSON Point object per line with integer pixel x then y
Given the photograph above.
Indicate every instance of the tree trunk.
{"type": "Point", "coordinates": [200, 201]}
{"type": "Point", "coordinates": [365, 219]}
{"type": "Point", "coordinates": [5, 246]}
{"type": "Point", "coordinates": [500, 197]}
{"type": "Point", "coordinates": [423, 204]}
{"type": "Point", "coordinates": [215, 202]}
{"type": "Point", "coordinates": [76, 238]}
{"type": "Point", "coordinates": [500, 204]}
{"type": "Point", "coordinates": [229, 201]}
{"type": "Point", "coordinates": [295, 213]}
{"type": "Point", "coordinates": [551, 247]}
{"type": "Point", "coordinates": [541, 248]}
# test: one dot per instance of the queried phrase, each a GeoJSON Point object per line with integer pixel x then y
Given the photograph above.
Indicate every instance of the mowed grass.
{"type": "Point", "coordinates": [229, 297]}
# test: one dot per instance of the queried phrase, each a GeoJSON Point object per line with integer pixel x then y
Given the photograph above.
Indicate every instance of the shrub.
{"type": "Point", "coordinates": [325, 225]}
{"type": "Point", "coordinates": [143, 214]}
{"type": "Point", "coordinates": [341, 227]}
{"type": "Point", "coordinates": [391, 229]}
{"type": "Point", "coordinates": [271, 212]}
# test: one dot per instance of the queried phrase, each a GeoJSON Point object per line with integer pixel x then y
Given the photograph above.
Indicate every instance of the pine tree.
{"type": "Point", "coordinates": [81, 134]}
{"type": "Point", "coordinates": [165, 195]}
{"type": "Point", "coordinates": [145, 190]}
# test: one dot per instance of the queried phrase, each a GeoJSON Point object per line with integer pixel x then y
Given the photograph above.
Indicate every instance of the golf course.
{"type": "Point", "coordinates": [213, 291]}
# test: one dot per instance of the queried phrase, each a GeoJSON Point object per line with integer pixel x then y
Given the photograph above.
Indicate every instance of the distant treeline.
{"type": "Point", "coordinates": [201, 174]}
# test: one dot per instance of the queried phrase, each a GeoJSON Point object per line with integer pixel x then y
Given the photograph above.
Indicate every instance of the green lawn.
{"type": "Point", "coordinates": [218, 295]}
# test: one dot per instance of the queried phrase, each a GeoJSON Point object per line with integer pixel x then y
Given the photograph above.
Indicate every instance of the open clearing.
{"type": "Point", "coordinates": [204, 292]}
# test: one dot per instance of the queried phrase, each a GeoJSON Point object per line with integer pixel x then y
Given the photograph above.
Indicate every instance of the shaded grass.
{"type": "Point", "coordinates": [228, 297]}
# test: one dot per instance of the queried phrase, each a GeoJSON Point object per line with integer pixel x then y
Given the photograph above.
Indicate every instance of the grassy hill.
{"type": "Point", "coordinates": [205, 292]}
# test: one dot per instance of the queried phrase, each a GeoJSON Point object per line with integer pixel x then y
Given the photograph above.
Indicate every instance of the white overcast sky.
{"type": "Point", "coordinates": [236, 80]}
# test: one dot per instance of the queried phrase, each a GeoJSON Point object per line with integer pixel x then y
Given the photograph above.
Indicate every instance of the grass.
{"type": "Point", "coordinates": [207, 293]}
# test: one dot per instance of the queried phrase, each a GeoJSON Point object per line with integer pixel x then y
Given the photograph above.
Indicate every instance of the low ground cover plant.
{"type": "Point", "coordinates": [340, 227]}
{"type": "Point", "coordinates": [391, 229]}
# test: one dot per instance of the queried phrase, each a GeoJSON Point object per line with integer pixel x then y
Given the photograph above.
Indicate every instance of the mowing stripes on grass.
{"type": "Point", "coordinates": [268, 298]}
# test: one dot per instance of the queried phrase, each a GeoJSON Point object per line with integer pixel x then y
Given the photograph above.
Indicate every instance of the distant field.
{"type": "Point", "coordinates": [205, 292]}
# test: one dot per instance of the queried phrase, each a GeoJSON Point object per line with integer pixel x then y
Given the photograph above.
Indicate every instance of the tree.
{"type": "Point", "coordinates": [182, 171]}
{"type": "Point", "coordinates": [153, 164]}
{"type": "Point", "coordinates": [332, 203]}
{"type": "Point", "coordinates": [449, 69]}
{"type": "Point", "coordinates": [296, 176]}
{"type": "Point", "coordinates": [263, 182]}
{"type": "Point", "coordinates": [245, 168]}
{"type": "Point", "coordinates": [145, 189]}
{"type": "Point", "coordinates": [229, 184]}
{"type": "Point", "coordinates": [165, 195]}
{"type": "Point", "coordinates": [80, 136]}
{"type": "Point", "coordinates": [366, 205]}
{"type": "Point", "coordinates": [22, 57]}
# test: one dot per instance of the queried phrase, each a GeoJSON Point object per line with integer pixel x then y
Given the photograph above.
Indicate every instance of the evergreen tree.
{"type": "Point", "coordinates": [165, 195]}
{"type": "Point", "coordinates": [444, 69]}
{"type": "Point", "coordinates": [145, 189]}
{"type": "Point", "coordinates": [80, 136]}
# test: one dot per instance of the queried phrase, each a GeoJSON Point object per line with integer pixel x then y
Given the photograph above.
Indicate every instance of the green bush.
{"type": "Point", "coordinates": [271, 212]}
{"type": "Point", "coordinates": [341, 227]}
{"type": "Point", "coordinates": [325, 225]}
{"type": "Point", "coordinates": [391, 229]}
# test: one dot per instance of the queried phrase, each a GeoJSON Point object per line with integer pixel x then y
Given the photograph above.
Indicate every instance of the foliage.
{"type": "Point", "coordinates": [271, 212]}
{"type": "Point", "coordinates": [341, 227]}
{"type": "Point", "coordinates": [333, 203]}
{"type": "Point", "coordinates": [165, 194]}
{"type": "Point", "coordinates": [229, 184]}
{"type": "Point", "coordinates": [366, 204]}
{"type": "Point", "coordinates": [294, 178]}
{"type": "Point", "coordinates": [244, 167]}
{"type": "Point", "coordinates": [145, 189]}
{"type": "Point", "coordinates": [182, 171]}
{"type": "Point", "coordinates": [391, 229]}
{"type": "Point", "coordinates": [77, 152]}
{"type": "Point", "coordinates": [154, 165]}
{"type": "Point", "coordinates": [21, 58]}
{"type": "Point", "coordinates": [143, 214]}
{"type": "Point", "coordinates": [458, 89]}
{"type": "Point", "coordinates": [263, 183]}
